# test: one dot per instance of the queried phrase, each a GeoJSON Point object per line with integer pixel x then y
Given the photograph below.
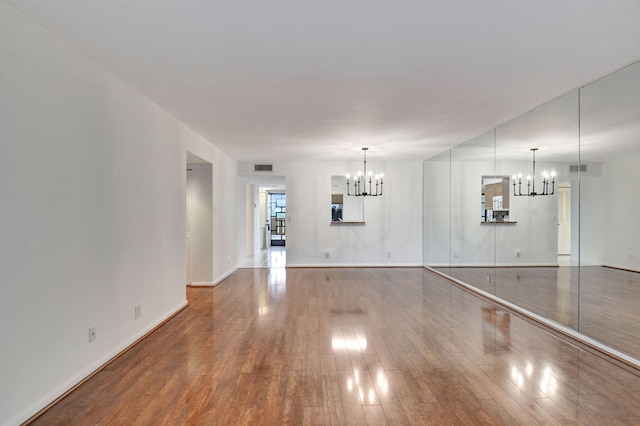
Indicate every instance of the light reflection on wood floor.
{"type": "Point", "coordinates": [274, 257]}
{"type": "Point", "coordinates": [350, 346]}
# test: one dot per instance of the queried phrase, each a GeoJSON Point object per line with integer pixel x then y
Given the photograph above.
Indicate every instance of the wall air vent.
{"type": "Point", "coordinates": [573, 168]}
{"type": "Point", "coordinates": [263, 167]}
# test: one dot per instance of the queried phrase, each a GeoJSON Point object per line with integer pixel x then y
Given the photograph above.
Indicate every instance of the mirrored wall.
{"type": "Point", "coordinates": [543, 211]}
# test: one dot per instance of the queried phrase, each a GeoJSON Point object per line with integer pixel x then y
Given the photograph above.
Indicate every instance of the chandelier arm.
{"type": "Point", "coordinates": [533, 175]}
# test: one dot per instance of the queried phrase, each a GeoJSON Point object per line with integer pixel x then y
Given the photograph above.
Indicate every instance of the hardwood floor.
{"type": "Point", "coordinates": [349, 346]}
{"type": "Point", "coordinates": [599, 302]}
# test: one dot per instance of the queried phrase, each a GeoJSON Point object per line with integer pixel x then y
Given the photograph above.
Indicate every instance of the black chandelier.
{"type": "Point", "coordinates": [531, 181]}
{"type": "Point", "coordinates": [360, 181]}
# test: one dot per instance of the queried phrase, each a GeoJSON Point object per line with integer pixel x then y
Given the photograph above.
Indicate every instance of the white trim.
{"type": "Point", "coordinates": [355, 265]}
{"type": "Point", "coordinates": [225, 276]}
{"type": "Point", "coordinates": [491, 265]}
{"type": "Point", "coordinates": [624, 268]}
{"type": "Point", "coordinates": [202, 284]}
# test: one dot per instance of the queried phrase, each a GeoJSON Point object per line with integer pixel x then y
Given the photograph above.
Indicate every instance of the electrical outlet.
{"type": "Point", "coordinates": [388, 254]}
{"type": "Point", "coordinates": [92, 334]}
{"type": "Point", "coordinates": [488, 278]}
{"type": "Point", "coordinates": [327, 254]}
{"type": "Point", "coordinates": [228, 260]}
{"type": "Point", "coordinates": [137, 311]}
{"type": "Point", "coordinates": [517, 253]}
{"type": "Point", "coordinates": [631, 257]}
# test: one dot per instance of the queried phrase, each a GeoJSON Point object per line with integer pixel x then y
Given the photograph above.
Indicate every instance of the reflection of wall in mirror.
{"type": "Point", "coordinates": [496, 199]}
{"type": "Point", "coordinates": [608, 219]}
{"type": "Point", "coordinates": [336, 207]}
{"type": "Point", "coordinates": [352, 207]}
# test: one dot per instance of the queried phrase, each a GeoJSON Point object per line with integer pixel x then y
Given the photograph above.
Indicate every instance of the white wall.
{"type": "Point", "coordinates": [93, 220]}
{"type": "Point", "coordinates": [471, 242]}
{"type": "Point", "coordinates": [253, 237]}
{"type": "Point", "coordinates": [609, 225]}
{"type": "Point", "coordinates": [258, 234]}
{"type": "Point", "coordinates": [392, 234]}
{"type": "Point", "coordinates": [201, 194]}
{"type": "Point", "coordinates": [262, 220]}
{"type": "Point", "coordinates": [437, 211]}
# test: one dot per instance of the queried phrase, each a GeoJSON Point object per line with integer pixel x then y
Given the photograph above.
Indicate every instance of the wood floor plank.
{"type": "Point", "coordinates": [374, 415]}
{"type": "Point", "coordinates": [342, 346]}
{"type": "Point", "coordinates": [351, 405]}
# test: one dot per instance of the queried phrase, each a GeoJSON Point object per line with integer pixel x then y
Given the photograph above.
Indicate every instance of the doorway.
{"type": "Point", "coordinates": [199, 221]}
{"type": "Point", "coordinates": [277, 218]}
{"type": "Point", "coordinates": [189, 207]}
{"type": "Point", "coordinates": [266, 230]}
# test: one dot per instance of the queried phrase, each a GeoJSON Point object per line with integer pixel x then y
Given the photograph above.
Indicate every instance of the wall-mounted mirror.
{"type": "Point", "coordinates": [344, 208]}
{"type": "Point", "coordinates": [436, 241]}
{"type": "Point", "coordinates": [609, 293]}
{"type": "Point", "coordinates": [494, 200]}
{"type": "Point", "coordinates": [573, 257]}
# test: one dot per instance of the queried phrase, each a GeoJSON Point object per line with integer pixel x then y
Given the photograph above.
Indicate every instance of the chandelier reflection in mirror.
{"type": "Point", "coordinates": [361, 179]}
{"type": "Point", "coordinates": [531, 181]}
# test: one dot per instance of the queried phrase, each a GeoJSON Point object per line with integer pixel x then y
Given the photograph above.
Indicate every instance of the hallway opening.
{"type": "Point", "coordinates": [265, 222]}
{"type": "Point", "coordinates": [199, 221]}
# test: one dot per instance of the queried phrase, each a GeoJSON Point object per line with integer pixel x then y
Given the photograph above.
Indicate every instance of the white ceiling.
{"type": "Point", "coordinates": [269, 80]}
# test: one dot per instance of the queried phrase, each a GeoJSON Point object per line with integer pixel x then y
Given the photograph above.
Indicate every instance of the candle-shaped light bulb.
{"type": "Point", "coordinates": [348, 176]}
{"type": "Point", "coordinates": [519, 175]}
{"type": "Point", "coordinates": [545, 175]}
{"type": "Point", "coordinates": [553, 173]}
{"type": "Point", "coordinates": [529, 177]}
{"type": "Point", "coordinates": [370, 173]}
{"type": "Point", "coordinates": [359, 172]}
{"type": "Point", "coordinates": [377, 177]}
{"type": "Point", "coordinates": [381, 175]}
{"type": "Point", "coordinates": [514, 177]}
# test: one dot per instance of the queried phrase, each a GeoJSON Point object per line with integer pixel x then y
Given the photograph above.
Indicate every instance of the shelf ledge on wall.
{"type": "Point", "coordinates": [506, 222]}
{"type": "Point", "coordinates": [346, 223]}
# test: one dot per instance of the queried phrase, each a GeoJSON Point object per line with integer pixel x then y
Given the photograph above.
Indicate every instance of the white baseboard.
{"type": "Point", "coordinates": [624, 268]}
{"type": "Point", "coordinates": [93, 368]}
{"type": "Point", "coordinates": [497, 265]}
{"type": "Point", "coordinates": [355, 265]}
{"type": "Point", "coordinates": [225, 276]}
